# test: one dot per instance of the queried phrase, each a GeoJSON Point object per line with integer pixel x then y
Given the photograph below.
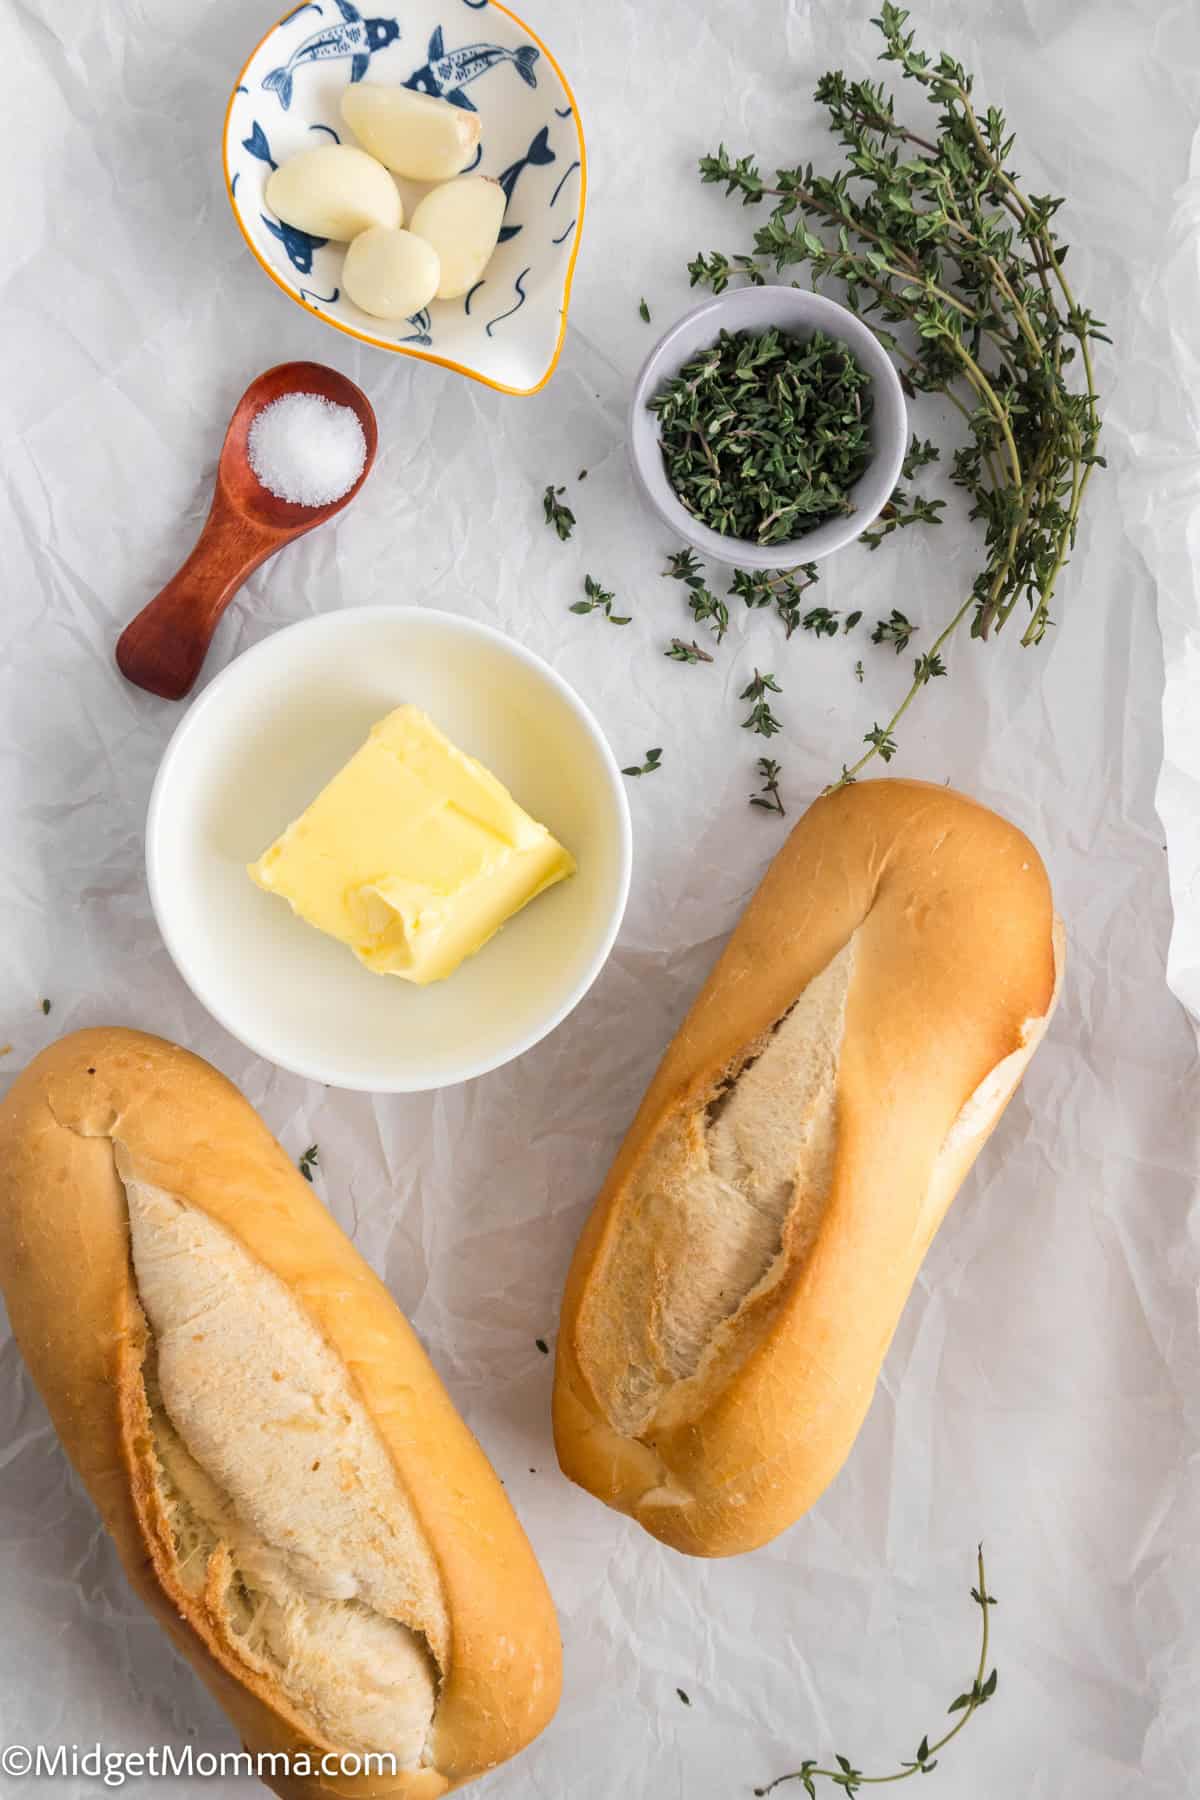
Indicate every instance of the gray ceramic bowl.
{"type": "Point", "coordinates": [801, 313]}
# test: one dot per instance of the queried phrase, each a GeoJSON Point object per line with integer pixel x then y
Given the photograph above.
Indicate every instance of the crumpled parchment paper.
{"type": "Point", "coordinates": [1042, 1390]}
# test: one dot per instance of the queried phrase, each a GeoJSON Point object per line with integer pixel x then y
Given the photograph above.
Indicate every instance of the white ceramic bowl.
{"type": "Point", "coordinates": [508, 331]}
{"type": "Point", "coordinates": [261, 741]}
{"type": "Point", "coordinates": [799, 312]}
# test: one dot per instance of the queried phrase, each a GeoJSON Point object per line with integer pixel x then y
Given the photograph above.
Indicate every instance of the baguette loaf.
{"type": "Point", "coordinates": [289, 1487]}
{"type": "Point", "coordinates": [738, 1283]}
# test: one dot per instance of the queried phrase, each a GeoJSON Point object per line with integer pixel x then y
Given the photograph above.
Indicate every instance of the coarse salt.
{"type": "Point", "coordinates": [306, 449]}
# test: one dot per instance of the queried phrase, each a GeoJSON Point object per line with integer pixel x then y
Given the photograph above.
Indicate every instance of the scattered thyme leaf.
{"type": "Point", "coordinates": [599, 599]}
{"type": "Point", "coordinates": [653, 761]}
{"type": "Point", "coordinates": [543, 1346]}
{"type": "Point", "coordinates": [309, 1161]}
{"type": "Point", "coordinates": [821, 622]}
{"type": "Point", "coordinates": [768, 797]}
{"type": "Point", "coordinates": [707, 609]}
{"type": "Point", "coordinates": [850, 1780]}
{"type": "Point", "coordinates": [780, 588]}
{"type": "Point", "coordinates": [558, 515]}
{"type": "Point", "coordinates": [752, 586]}
{"type": "Point", "coordinates": [918, 456]}
{"type": "Point", "coordinates": [683, 1696]}
{"type": "Point", "coordinates": [760, 718]}
{"type": "Point", "coordinates": [46, 1007]}
{"type": "Point", "coordinates": [895, 630]}
{"type": "Point", "coordinates": [644, 312]}
{"type": "Point", "coordinates": [687, 653]}
{"type": "Point", "coordinates": [901, 510]}
{"type": "Point", "coordinates": [763, 434]}
{"type": "Point", "coordinates": [858, 671]}
{"type": "Point", "coordinates": [685, 565]}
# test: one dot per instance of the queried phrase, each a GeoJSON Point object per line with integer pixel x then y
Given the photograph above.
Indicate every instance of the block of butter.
{"type": "Point", "coordinates": [413, 855]}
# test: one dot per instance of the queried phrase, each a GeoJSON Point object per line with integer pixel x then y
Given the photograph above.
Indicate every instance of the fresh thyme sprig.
{"type": "Point", "coordinates": [850, 1779]}
{"type": "Point", "coordinates": [558, 515]}
{"type": "Point", "coordinates": [761, 719]}
{"type": "Point", "coordinates": [903, 508]}
{"type": "Point", "coordinates": [934, 236]}
{"type": "Point", "coordinates": [599, 599]}
{"type": "Point", "coordinates": [309, 1161]}
{"type": "Point", "coordinates": [763, 434]}
{"type": "Point", "coordinates": [882, 742]}
{"type": "Point", "coordinates": [714, 271]}
{"type": "Point", "coordinates": [767, 796]}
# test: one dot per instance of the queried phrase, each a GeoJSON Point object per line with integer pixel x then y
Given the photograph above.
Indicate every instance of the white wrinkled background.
{"type": "Point", "coordinates": [1042, 1390]}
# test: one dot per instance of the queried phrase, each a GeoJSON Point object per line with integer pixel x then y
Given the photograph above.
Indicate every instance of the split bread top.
{"type": "Point", "coordinates": [739, 1281]}
{"type": "Point", "coordinates": [288, 1484]}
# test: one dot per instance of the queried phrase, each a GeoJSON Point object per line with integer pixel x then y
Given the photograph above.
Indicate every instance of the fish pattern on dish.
{"type": "Point", "coordinates": [509, 333]}
{"type": "Point", "coordinates": [446, 76]}
{"type": "Point", "coordinates": [350, 36]}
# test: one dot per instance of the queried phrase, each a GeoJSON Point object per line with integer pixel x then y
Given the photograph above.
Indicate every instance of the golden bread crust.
{"type": "Point", "coordinates": [948, 910]}
{"type": "Point", "coordinates": [68, 1281]}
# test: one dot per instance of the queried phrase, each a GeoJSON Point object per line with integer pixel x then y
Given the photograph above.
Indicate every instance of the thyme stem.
{"type": "Point", "coordinates": [946, 244]}
{"type": "Point", "coordinates": [850, 1779]}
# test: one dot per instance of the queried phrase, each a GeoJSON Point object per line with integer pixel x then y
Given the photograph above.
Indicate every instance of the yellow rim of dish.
{"type": "Point", "coordinates": [365, 337]}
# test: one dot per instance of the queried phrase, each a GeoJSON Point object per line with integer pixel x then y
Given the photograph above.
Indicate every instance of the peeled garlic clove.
{"type": "Point", "coordinates": [334, 191]}
{"type": "Point", "coordinates": [414, 134]}
{"type": "Point", "coordinates": [391, 274]}
{"type": "Point", "coordinates": [462, 221]}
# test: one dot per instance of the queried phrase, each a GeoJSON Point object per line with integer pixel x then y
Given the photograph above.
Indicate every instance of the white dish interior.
{"type": "Point", "coordinates": [256, 747]}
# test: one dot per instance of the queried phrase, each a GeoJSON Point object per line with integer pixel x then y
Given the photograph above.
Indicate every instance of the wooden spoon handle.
{"type": "Point", "coordinates": [163, 648]}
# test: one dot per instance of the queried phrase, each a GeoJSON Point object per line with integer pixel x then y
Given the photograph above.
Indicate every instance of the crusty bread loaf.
{"type": "Point", "coordinates": [290, 1489]}
{"type": "Point", "coordinates": [740, 1278]}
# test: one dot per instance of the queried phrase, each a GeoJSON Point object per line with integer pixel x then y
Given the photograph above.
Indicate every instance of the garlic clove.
{"type": "Point", "coordinates": [391, 274]}
{"type": "Point", "coordinates": [334, 191]}
{"type": "Point", "coordinates": [462, 220]}
{"type": "Point", "coordinates": [414, 134]}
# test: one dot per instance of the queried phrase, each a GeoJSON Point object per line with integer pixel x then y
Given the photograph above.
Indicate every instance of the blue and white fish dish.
{"type": "Point", "coordinates": [508, 330]}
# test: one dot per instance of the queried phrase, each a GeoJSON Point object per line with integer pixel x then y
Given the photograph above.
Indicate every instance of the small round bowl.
{"type": "Point", "coordinates": [508, 331]}
{"type": "Point", "coordinates": [799, 312]}
{"type": "Point", "coordinates": [263, 739]}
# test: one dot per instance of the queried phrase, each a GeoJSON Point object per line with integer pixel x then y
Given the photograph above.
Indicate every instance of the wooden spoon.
{"type": "Point", "coordinates": [163, 649]}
